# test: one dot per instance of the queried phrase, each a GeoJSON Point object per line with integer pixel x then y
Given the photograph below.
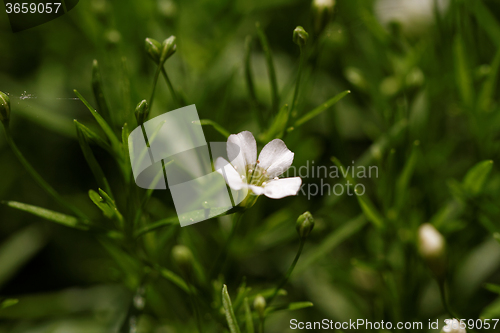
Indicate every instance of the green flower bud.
{"type": "Point", "coordinates": [322, 13]}
{"type": "Point", "coordinates": [168, 48]}
{"type": "Point", "coordinates": [300, 36]}
{"type": "Point", "coordinates": [183, 257]}
{"type": "Point", "coordinates": [4, 108]}
{"type": "Point", "coordinates": [141, 112]}
{"type": "Point", "coordinates": [305, 224]}
{"type": "Point", "coordinates": [259, 304]}
{"type": "Point", "coordinates": [432, 247]}
{"type": "Point", "coordinates": [153, 48]}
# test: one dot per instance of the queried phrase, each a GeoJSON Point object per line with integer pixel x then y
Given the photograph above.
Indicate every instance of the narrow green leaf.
{"type": "Point", "coordinates": [485, 19]}
{"type": "Point", "coordinates": [405, 176]}
{"type": "Point", "coordinates": [228, 309]}
{"type": "Point", "coordinates": [93, 137]}
{"type": "Point", "coordinates": [18, 249]}
{"type": "Point", "coordinates": [175, 279]}
{"type": "Point", "coordinates": [492, 311]}
{"type": "Point", "coordinates": [277, 128]}
{"type": "Point", "coordinates": [157, 225]}
{"type": "Point", "coordinates": [250, 81]}
{"type": "Point", "coordinates": [8, 303]}
{"type": "Point", "coordinates": [342, 169]}
{"type": "Point", "coordinates": [102, 106]}
{"type": "Point", "coordinates": [488, 89]}
{"type": "Point", "coordinates": [99, 202]}
{"type": "Point", "coordinates": [462, 73]}
{"type": "Point", "coordinates": [125, 135]}
{"type": "Point", "coordinates": [476, 177]}
{"type": "Point", "coordinates": [111, 203]}
{"type": "Point", "coordinates": [99, 176]}
{"type": "Point", "coordinates": [248, 317]}
{"type": "Point", "coordinates": [494, 288]}
{"type": "Point", "coordinates": [313, 113]}
{"type": "Point", "coordinates": [216, 126]}
{"type": "Point", "coordinates": [104, 125]}
{"type": "Point", "coordinates": [50, 215]}
{"type": "Point", "coordinates": [270, 66]}
{"type": "Point", "coordinates": [370, 211]}
{"type": "Point", "coordinates": [289, 307]}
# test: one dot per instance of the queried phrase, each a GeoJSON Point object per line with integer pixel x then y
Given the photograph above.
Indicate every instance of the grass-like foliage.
{"type": "Point", "coordinates": [404, 113]}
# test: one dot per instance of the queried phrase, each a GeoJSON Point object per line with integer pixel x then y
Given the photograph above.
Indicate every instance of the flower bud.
{"type": "Point", "coordinates": [168, 48]}
{"type": "Point", "coordinates": [4, 108]}
{"type": "Point", "coordinates": [183, 257]}
{"type": "Point", "coordinates": [141, 112]}
{"type": "Point", "coordinates": [305, 224]}
{"type": "Point", "coordinates": [300, 36]}
{"type": "Point", "coordinates": [432, 247]}
{"type": "Point", "coordinates": [454, 326]}
{"type": "Point", "coordinates": [322, 13]}
{"type": "Point", "coordinates": [259, 304]}
{"type": "Point", "coordinates": [153, 48]}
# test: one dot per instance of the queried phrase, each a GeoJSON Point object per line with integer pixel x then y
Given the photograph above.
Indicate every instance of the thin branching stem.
{"type": "Point", "coordinates": [289, 272]}
{"type": "Point", "coordinates": [155, 81]}
{"type": "Point", "coordinates": [171, 87]}
{"type": "Point", "coordinates": [299, 76]}
{"type": "Point", "coordinates": [222, 256]}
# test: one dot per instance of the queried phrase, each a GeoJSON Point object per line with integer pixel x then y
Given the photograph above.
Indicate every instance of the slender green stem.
{"type": "Point", "coordinates": [221, 257]}
{"type": "Point", "coordinates": [299, 75]}
{"type": "Point", "coordinates": [261, 324]}
{"type": "Point", "coordinates": [171, 87]}
{"type": "Point", "coordinates": [194, 305]}
{"type": "Point", "coordinates": [270, 68]}
{"type": "Point", "coordinates": [155, 81]}
{"type": "Point", "coordinates": [444, 300]}
{"type": "Point", "coordinates": [289, 273]}
{"type": "Point", "coordinates": [38, 179]}
{"type": "Point", "coordinates": [250, 82]}
{"type": "Point", "coordinates": [446, 304]}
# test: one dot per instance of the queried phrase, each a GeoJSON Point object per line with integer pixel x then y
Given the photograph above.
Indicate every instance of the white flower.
{"type": "Point", "coordinates": [431, 242]}
{"type": "Point", "coordinates": [413, 15]}
{"type": "Point", "coordinates": [260, 176]}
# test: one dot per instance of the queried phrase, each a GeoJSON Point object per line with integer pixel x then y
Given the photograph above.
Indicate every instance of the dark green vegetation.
{"type": "Point", "coordinates": [424, 108]}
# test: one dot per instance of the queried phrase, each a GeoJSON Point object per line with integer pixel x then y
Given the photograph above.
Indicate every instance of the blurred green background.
{"type": "Point", "coordinates": [424, 108]}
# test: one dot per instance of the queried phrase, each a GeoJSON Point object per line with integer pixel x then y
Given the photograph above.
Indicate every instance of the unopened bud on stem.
{"type": "Point", "coordinates": [168, 48]}
{"type": "Point", "coordinates": [322, 13]}
{"type": "Point", "coordinates": [432, 247]}
{"type": "Point", "coordinates": [153, 49]}
{"type": "Point", "coordinates": [305, 224]}
{"type": "Point", "coordinates": [259, 304]}
{"type": "Point", "coordinates": [141, 112]}
{"type": "Point", "coordinates": [183, 257]}
{"type": "Point", "coordinates": [300, 36]}
{"type": "Point", "coordinates": [4, 108]}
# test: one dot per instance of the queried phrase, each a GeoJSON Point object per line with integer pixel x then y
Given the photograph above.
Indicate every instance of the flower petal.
{"type": "Point", "coordinates": [277, 189]}
{"type": "Point", "coordinates": [231, 176]}
{"type": "Point", "coordinates": [242, 150]}
{"type": "Point", "coordinates": [257, 190]}
{"type": "Point", "coordinates": [276, 158]}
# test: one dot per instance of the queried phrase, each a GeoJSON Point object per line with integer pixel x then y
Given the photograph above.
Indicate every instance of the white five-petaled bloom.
{"type": "Point", "coordinates": [260, 176]}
